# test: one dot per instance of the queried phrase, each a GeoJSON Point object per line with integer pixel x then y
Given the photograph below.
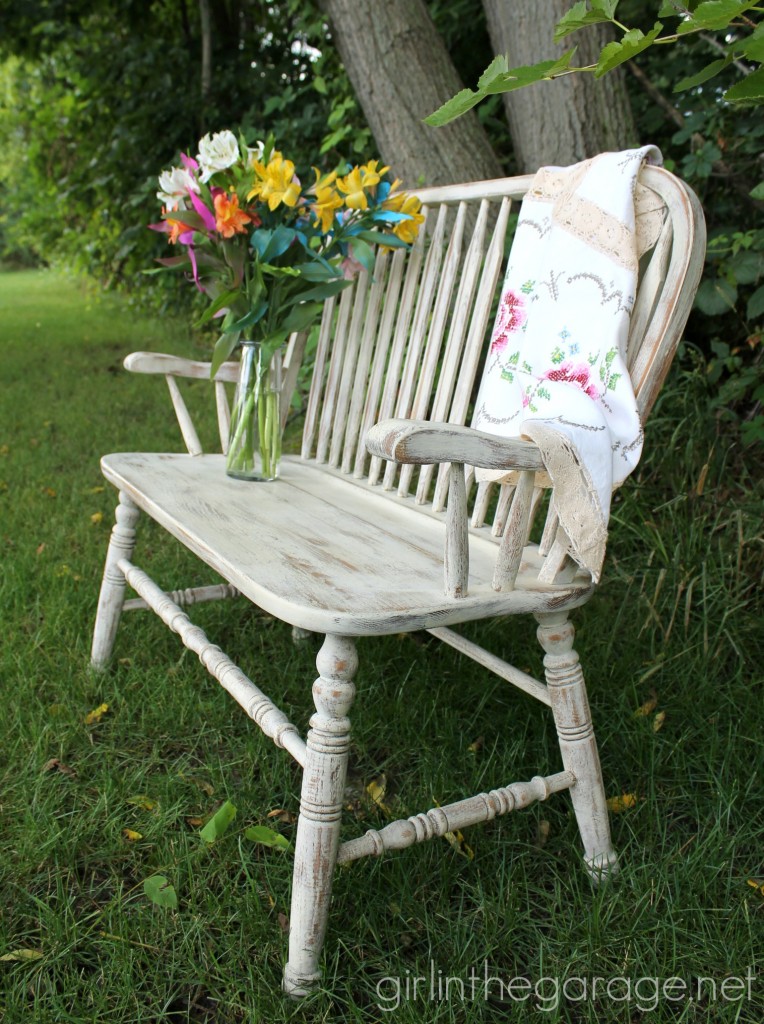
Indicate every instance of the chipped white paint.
{"type": "Point", "coordinates": [328, 550]}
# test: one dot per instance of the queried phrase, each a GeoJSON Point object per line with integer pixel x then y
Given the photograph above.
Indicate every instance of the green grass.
{"type": "Point", "coordinates": [677, 615]}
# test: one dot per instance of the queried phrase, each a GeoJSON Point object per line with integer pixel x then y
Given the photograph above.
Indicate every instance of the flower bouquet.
{"type": "Point", "coordinates": [267, 252]}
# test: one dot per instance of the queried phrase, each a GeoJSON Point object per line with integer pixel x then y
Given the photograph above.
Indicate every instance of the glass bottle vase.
{"type": "Point", "coordinates": [254, 449]}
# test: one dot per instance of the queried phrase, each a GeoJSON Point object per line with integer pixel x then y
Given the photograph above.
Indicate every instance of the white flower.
{"type": "Point", "coordinates": [217, 152]}
{"type": "Point", "coordinates": [255, 152]}
{"type": "Point", "coordinates": [174, 186]}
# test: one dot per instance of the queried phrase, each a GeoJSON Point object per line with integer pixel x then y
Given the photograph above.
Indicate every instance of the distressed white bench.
{"type": "Point", "coordinates": [377, 527]}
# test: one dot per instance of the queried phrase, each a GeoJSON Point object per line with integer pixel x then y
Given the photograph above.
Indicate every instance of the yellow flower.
{"type": "Point", "coordinates": [276, 182]}
{"type": "Point", "coordinates": [360, 179]}
{"type": "Point", "coordinates": [407, 230]}
{"type": "Point", "coordinates": [327, 199]}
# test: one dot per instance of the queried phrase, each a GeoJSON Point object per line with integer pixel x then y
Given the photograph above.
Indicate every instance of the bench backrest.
{"type": "Point", "coordinates": [408, 341]}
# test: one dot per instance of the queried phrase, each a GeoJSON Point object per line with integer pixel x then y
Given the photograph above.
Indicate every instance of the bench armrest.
{"type": "Point", "coordinates": [423, 443]}
{"type": "Point", "coordinates": [177, 366]}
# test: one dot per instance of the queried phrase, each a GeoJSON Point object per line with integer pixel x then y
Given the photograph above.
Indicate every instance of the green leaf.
{"type": "Point", "coordinates": [495, 69]}
{"type": "Point", "coordinates": [383, 238]}
{"type": "Point", "coordinates": [218, 823]}
{"type": "Point", "coordinates": [714, 14]}
{"type": "Point", "coordinates": [758, 192]}
{"type": "Point", "coordinates": [319, 85]}
{"type": "Point", "coordinates": [249, 319]}
{"type": "Point", "coordinates": [606, 6]}
{"type": "Point", "coordinates": [517, 78]}
{"type": "Point", "coordinates": [161, 892]}
{"type": "Point", "coordinates": [755, 308]}
{"type": "Point", "coordinates": [226, 299]}
{"type": "Point", "coordinates": [22, 954]}
{"type": "Point", "coordinates": [453, 108]}
{"type": "Point", "coordinates": [749, 90]}
{"type": "Point", "coordinates": [746, 267]}
{"type": "Point", "coordinates": [320, 292]}
{"type": "Point", "coordinates": [267, 837]}
{"type": "Point", "coordinates": [579, 16]}
{"type": "Point", "coordinates": [362, 252]}
{"type": "Point", "coordinates": [753, 46]}
{"type": "Point", "coordinates": [716, 297]}
{"type": "Point", "coordinates": [709, 71]}
{"type": "Point", "coordinates": [301, 317]}
{"type": "Point", "coordinates": [190, 218]}
{"type": "Point", "coordinates": [224, 346]}
{"type": "Point", "coordinates": [632, 43]}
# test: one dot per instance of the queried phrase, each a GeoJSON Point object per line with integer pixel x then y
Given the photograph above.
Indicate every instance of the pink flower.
{"type": "Point", "coordinates": [509, 319]}
{"type": "Point", "coordinates": [577, 374]}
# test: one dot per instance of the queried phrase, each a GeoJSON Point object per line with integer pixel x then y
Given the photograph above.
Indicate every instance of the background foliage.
{"type": "Point", "coordinates": [95, 100]}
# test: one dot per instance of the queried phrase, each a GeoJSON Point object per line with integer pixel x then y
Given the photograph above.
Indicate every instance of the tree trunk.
{"type": "Point", "coordinates": [400, 70]}
{"type": "Point", "coordinates": [572, 118]}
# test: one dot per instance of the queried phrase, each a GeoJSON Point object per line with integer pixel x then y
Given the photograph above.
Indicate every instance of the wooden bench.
{"type": "Point", "coordinates": [377, 527]}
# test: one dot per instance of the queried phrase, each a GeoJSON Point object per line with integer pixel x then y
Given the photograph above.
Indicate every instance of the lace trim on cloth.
{"type": "Point", "coordinates": [591, 224]}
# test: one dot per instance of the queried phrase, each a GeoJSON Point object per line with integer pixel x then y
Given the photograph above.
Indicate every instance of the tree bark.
{"type": "Point", "coordinates": [401, 71]}
{"type": "Point", "coordinates": [572, 118]}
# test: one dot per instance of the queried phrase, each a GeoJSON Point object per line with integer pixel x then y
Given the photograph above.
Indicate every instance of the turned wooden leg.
{"type": "Point", "coordinates": [112, 594]}
{"type": "Point", "coordinates": [318, 828]}
{"type": "Point", "coordinates": [570, 707]}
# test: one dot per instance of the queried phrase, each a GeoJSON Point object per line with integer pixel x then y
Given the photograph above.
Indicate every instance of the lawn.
{"type": "Point", "coordinates": [107, 779]}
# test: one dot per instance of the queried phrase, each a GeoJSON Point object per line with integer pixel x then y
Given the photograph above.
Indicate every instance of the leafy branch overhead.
{"type": "Point", "coordinates": [744, 43]}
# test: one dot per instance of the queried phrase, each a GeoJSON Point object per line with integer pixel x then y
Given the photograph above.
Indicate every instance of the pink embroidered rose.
{"type": "Point", "coordinates": [578, 374]}
{"type": "Point", "coordinates": [509, 319]}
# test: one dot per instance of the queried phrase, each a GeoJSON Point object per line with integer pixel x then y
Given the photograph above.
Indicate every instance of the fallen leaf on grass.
{"type": "Point", "coordinates": [218, 823]}
{"type": "Point", "coordinates": [161, 892]}
{"type": "Point", "coordinates": [194, 822]}
{"type": "Point", "coordinates": [94, 716]}
{"type": "Point", "coordinates": [287, 817]}
{"type": "Point", "coordinates": [49, 491]}
{"type": "Point", "coordinates": [376, 790]}
{"type": "Point", "coordinates": [658, 721]}
{"type": "Point", "coordinates": [457, 840]}
{"type": "Point", "coordinates": [284, 923]}
{"type": "Point", "coordinates": [23, 954]}
{"type": "Point", "coordinates": [95, 490]}
{"type": "Point", "coordinates": [459, 843]}
{"type": "Point", "coordinates": [474, 747]}
{"type": "Point", "coordinates": [202, 784]}
{"type": "Point", "coordinates": [624, 802]}
{"type": "Point", "coordinates": [648, 707]}
{"type": "Point", "coordinates": [142, 801]}
{"type": "Point", "coordinates": [54, 765]}
{"type": "Point", "coordinates": [131, 835]}
{"type": "Point", "coordinates": [267, 837]}
{"type": "Point", "coordinates": [542, 832]}
{"type": "Point", "coordinates": [759, 886]}
{"type": "Point", "coordinates": [40, 548]}
{"type": "Point", "coordinates": [96, 518]}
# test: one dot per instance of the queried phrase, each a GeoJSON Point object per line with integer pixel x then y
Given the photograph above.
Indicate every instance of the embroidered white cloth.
{"type": "Point", "coordinates": [556, 370]}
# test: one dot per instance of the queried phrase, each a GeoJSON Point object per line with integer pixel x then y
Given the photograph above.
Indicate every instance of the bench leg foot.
{"type": "Point", "coordinates": [570, 707]}
{"type": "Point", "coordinates": [318, 828]}
{"type": "Point", "coordinates": [112, 594]}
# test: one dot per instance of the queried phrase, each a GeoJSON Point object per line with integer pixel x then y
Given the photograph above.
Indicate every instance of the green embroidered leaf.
{"type": "Point", "coordinates": [613, 381]}
{"type": "Point", "coordinates": [633, 42]}
{"type": "Point", "coordinates": [543, 393]}
{"type": "Point", "coordinates": [557, 356]}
